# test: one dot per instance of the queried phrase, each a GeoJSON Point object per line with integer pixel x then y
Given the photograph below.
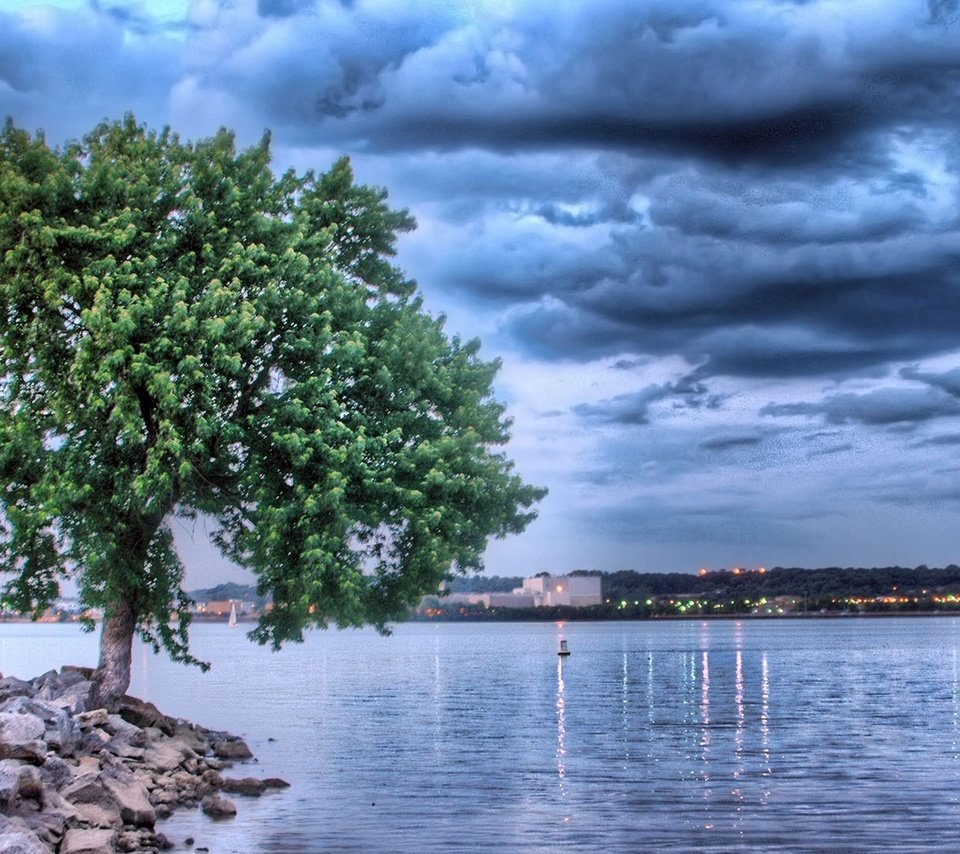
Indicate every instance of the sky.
{"type": "Point", "coordinates": [716, 243]}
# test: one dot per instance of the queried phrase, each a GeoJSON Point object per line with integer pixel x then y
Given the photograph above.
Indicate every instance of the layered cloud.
{"type": "Point", "coordinates": [716, 241]}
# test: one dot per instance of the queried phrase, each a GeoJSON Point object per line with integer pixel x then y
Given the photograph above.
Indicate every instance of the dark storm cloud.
{"type": "Point", "coordinates": [882, 407]}
{"type": "Point", "coordinates": [635, 408]}
{"type": "Point", "coordinates": [726, 443]}
{"type": "Point", "coordinates": [283, 8]}
{"type": "Point", "coordinates": [700, 81]}
{"type": "Point", "coordinates": [704, 205]}
{"type": "Point", "coordinates": [948, 381]}
{"type": "Point", "coordinates": [945, 439]}
{"type": "Point", "coordinates": [808, 322]}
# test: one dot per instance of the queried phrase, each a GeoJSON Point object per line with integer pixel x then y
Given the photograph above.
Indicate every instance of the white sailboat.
{"type": "Point", "coordinates": [232, 622]}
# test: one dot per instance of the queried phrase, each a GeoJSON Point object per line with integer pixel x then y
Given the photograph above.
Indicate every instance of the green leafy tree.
{"type": "Point", "coordinates": [182, 333]}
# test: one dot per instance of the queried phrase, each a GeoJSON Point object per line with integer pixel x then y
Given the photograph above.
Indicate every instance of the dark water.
{"type": "Point", "coordinates": [815, 735]}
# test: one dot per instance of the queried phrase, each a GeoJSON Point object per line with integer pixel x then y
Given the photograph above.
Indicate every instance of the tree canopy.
{"type": "Point", "coordinates": [182, 332]}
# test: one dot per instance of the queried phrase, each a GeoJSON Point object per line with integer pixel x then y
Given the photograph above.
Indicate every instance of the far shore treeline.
{"type": "Point", "coordinates": [779, 591]}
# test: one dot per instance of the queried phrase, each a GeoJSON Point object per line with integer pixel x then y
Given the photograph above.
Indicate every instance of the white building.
{"type": "Point", "coordinates": [574, 590]}
{"type": "Point", "coordinates": [544, 590]}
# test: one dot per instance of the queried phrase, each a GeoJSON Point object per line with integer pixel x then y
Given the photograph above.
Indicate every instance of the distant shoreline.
{"type": "Point", "coordinates": [568, 618]}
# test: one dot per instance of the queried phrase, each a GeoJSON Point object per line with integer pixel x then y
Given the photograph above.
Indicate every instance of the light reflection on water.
{"type": "Point", "coordinates": [815, 735]}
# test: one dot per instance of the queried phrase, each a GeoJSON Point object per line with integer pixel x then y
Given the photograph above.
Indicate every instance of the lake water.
{"type": "Point", "coordinates": [792, 735]}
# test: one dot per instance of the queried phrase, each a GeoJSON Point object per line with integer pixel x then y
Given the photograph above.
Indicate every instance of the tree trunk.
{"type": "Point", "coordinates": [112, 676]}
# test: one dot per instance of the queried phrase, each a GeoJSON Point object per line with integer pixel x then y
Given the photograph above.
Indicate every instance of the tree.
{"type": "Point", "coordinates": [184, 333]}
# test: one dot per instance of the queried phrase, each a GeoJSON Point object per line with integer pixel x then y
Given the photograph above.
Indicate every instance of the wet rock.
{"type": "Point", "coordinates": [232, 749]}
{"type": "Point", "coordinates": [275, 783]}
{"type": "Point", "coordinates": [80, 781]}
{"type": "Point", "coordinates": [167, 755]}
{"type": "Point", "coordinates": [216, 806]}
{"type": "Point", "coordinates": [244, 786]}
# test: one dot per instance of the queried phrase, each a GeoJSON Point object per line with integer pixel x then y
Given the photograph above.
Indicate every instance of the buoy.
{"type": "Point", "coordinates": [563, 648]}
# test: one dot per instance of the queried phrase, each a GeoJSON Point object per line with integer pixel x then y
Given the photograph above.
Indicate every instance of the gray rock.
{"type": "Point", "coordinates": [144, 714]}
{"type": "Point", "coordinates": [243, 785]}
{"type": "Point", "coordinates": [10, 686]}
{"type": "Point", "coordinates": [48, 825]}
{"type": "Point", "coordinates": [165, 756]}
{"type": "Point", "coordinates": [76, 697]}
{"type": "Point", "coordinates": [21, 737]}
{"type": "Point", "coordinates": [48, 685]}
{"type": "Point", "coordinates": [193, 738]}
{"type": "Point", "coordinates": [99, 816]}
{"type": "Point", "coordinates": [31, 784]}
{"type": "Point", "coordinates": [87, 788]}
{"type": "Point", "coordinates": [17, 838]}
{"type": "Point", "coordinates": [93, 718]}
{"type": "Point", "coordinates": [87, 842]}
{"type": "Point", "coordinates": [217, 806]}
{"type": "Point", "coordinates": [94, 740]}
{"type": "Point", "coordinates": [9, 782]}
{"type": "Point", "coordinates": [275, 783]}
{"type": "Point", "coordinates": [56, 773]}
{"type": "Point", "coordinates": [70, 674]}
{"type": "Point", "coordinates": [131, 733]}
{"type": "Point", "coordinates": [132, 799]}
{"type": "Point", "coordinates": [232, 749]}
{"type": "Point", "coordinates": [61, 732]}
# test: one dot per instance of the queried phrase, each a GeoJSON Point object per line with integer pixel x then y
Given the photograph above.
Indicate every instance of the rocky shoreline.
{"type": "Point", "coordinates": [76, 780]}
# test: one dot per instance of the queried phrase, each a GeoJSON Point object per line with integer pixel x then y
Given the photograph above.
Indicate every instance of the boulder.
{"type": "Point", "coordinates": [243, 785]}
{"type": "Point", "coordinates": [87, 788]}
{"type": "Point", "coordinates": [232, 749]}
{"type": "Point", "coordinates": [189, 735]}
{"type": "Point", "coordinates": [9, 782]}
{"type": "Point", "coordinates": [93, 718]}
{"type": "Point", "coordinates": [17, 838]}
{"type": "Point", "coordinates": [132, 799]}
{"type": "Point", "coordinates": [21, 737]}
{"type": "Point", "coordinates": [275, 783]}
{"type": "Point", "coordinates": [99, 816]}
{"type": "Point", "coordinates": [217, 806]}
{"type": "Point", "coordinates": [127, 791]}
{"type": "Point", "coordinates": [75, 698]}
{"type": "Point", "coordinates": [47, 826]}
{"type": "Point", "coordinates": [144, 714]}
{"type": "Point", "coordinates": [130, 733]}
{"type": "Point", "coordinates": [56, 773]}
{"type": "Point", "coordinates": [87, 842]}
{"type": "Point", "coordinates": [61, 732]}
{"type": "Point", "coordinates": [94, 740]}
{"type": "Point", "coordinates": [53, 803]}
{"type": "Point", "coordinates": [71, 674]}
{"type": "Point", "coordinates": [48, 685]}
{"type": "Point", "coordinates": [165, 756]}
{"type": "Point", "coordinates": [10, 686]}
{"type": "Point", "coordinates": [30, 784]}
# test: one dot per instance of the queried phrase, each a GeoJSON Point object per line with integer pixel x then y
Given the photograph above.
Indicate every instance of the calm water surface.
{"type": "Point", "coordinates": [812, 735]}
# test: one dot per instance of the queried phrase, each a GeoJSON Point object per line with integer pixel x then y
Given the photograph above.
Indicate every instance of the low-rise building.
{"type": "Point", "coordinates": [573, 590]}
